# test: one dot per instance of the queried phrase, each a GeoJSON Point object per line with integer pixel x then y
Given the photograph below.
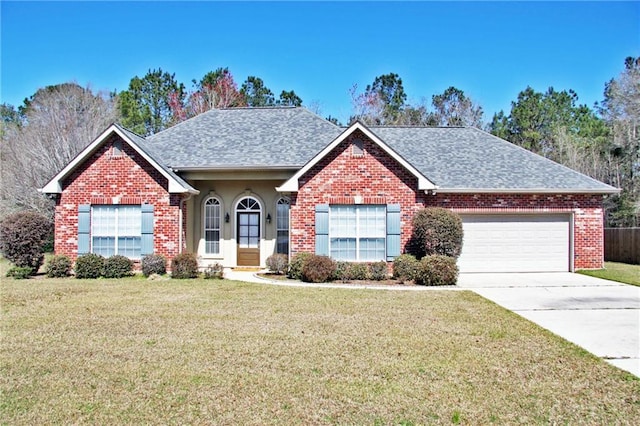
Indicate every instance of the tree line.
{"type": "Point", "coordinates": [39, 137]}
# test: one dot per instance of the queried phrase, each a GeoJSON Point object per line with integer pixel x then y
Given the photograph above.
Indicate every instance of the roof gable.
{"type": "Point", "coordinates": [291, 185]}
{"type": "Point", "coordinates": [176, 184]}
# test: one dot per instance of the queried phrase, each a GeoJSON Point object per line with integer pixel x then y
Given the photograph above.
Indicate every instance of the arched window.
{"type": "Point", "coordinates": [282, 226]}
{"type": "Point", "coordinates": [212, 221]}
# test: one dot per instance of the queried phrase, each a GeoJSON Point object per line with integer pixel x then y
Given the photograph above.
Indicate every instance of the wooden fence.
{"type": "Point", "coordinates": [622, 245]}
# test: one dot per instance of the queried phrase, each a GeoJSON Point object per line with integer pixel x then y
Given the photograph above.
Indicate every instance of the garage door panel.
{"type": "Point", "coordinates": [515, 243]}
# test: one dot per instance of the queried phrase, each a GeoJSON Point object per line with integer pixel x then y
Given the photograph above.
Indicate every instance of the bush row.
{"type": "Point", "coordinates": [431, 270]}
{"type": "Point", "coordinates": [309, 267]}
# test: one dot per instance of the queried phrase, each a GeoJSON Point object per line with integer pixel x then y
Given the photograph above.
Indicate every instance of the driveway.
{"type": "Point", "coordinates": [601, 316]}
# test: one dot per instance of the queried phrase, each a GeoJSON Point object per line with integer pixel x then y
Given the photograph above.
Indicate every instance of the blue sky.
{"type": "Point", "coordinates": [491, 50]}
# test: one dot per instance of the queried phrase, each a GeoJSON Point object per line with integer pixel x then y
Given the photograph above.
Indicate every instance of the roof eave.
{"type": "Point", "coordinates": [528, 191]}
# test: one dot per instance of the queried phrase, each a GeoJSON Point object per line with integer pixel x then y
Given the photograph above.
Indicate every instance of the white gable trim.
{"type": "Point", "coordinates": [291, 185]}
{"type": "Point", "coordinates": [54, 186]}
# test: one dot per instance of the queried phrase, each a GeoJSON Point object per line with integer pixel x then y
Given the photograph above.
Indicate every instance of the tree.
{"type": "Point", "coordinates": [145, 106]}
{"type": "Point", "coordinates": [453, 108]}
{"type": "Point", "coordinates": [382, 102]}
{"type": "Point", "coordinates": [217, 89]}
{"type": "Point", "coordinates": [255, 93]}
{"type": "Point", "coordinates": [289, 98]}
{"type": "Point", "coordinates": [59, 121]}
{"type": "Point", "coordinates": [621, 110]}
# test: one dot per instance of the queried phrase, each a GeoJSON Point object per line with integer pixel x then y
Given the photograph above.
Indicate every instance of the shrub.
{"type": "Point", "coordinates": [318, 269]}
{"type": "Point", "coordinates": [437, 270]}
{"type": "Point", "coordinates": [378, 271]}
{"type": "Point", "coordinates": [23, 236]}
{"type": "Point", "coordinates": [437, 231]}
{"type": "Point", "coordinates": [19, 272]}
{"type": "Point", "coordinates": [89, 266]}
{"type": "Point", "coordinates": [153, 264]}
{"type": "Point", "coordinates": [405, 267]}
{"type": "Point", "coordinates": [58, 266]}
{"type": "Point", "coordinates": [355, 271]}
{"type": "Point", "coordinates": [277, 263]}
{"type": "Point", "coordinates": [214, 271]}
{"type": "Point", "coordinates": [118, 266]}
{"type": "Point", "coordinates": [184, 265]}
{"type": "Point", "coordinates": [341, 267]}
{"type": "Point", "coordinates": [297, 264]}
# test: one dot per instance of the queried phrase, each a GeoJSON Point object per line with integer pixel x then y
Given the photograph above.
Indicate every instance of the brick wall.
{"type": "Point", "coordinates": [375, 178]}
{"type": "Point", "coordinates": [111, 178]}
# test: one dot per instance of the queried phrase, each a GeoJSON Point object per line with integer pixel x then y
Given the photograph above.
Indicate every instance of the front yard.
{"type": "Point", "coordinates": [621, 272]}
{"type": "Point", "coordinates": [222, 352]}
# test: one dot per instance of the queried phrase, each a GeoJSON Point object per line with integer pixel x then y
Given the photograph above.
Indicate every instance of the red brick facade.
{"type": "Point", "coordinates": [375, 178]}
{"type": "Point", "coordinates": [117, 176]}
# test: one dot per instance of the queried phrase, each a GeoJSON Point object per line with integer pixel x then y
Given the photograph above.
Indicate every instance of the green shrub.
{"type": "Point", "coordinates": [23, 236]}
{"type": "Point", "coordinates": [153, 264]}
{"type": "Point", "coordinates": [436, 231]}
{"type": "Point", "coordinates": [89, 265]}
{"type": "Point", "coordinates": [58, 266]}
{"type": "Point", "coordinates": [19, 272]}
{"type": "Point", "coordinates": [341, 267]}
{"type": "Point", "coordinates": [378, 271]}
{"type": "Point", "coordinates": [214, 271]}
{"type": "Point", "coordinates": [118, 266]}
{"type": "Point", "coordinates": [277, 263]}
{"type": "Point", "coordinates": [355, 271]}
{"type": "Point", "coordinates": [437, 270]}
{"type": "Point", "coordinates": [297, 264]}
{"type": "Point", "coordinates": [318, 269]}
{"type": "Point", "coordinates": [184, 265]}
{"type": "Point", "coordinates": [405, 267]}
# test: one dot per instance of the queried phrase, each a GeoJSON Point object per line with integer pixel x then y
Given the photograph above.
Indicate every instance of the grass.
{"type": "Point", "coordinates": [223, 352]}
{"type": "Point", "coordinates": [620, 272]}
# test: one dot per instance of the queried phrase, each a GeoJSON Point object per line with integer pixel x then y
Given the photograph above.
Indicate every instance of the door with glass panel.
{"type": "Point", "coordinates": [248, 232]}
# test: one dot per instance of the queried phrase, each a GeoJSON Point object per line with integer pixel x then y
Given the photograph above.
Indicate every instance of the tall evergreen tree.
{"type": "Point", "coordinates": [145, 106]}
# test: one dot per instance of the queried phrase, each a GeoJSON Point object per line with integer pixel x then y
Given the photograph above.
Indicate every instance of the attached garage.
{"type": "Point", "coordinates": [516, 243]}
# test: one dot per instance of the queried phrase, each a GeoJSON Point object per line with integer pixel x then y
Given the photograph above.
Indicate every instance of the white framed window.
{"type": "Point", "coordinates": [282, 226]}
{"type": "Point", "coordinates": [116, 229]}
{"type": "Point", "coordinates": [357, 232]}
{"type": "Point", "coordinates": [212, 223]}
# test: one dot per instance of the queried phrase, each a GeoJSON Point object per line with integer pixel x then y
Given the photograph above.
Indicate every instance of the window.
{"type": "Point", "coordinates": [282, 226]}
{"type": "Point", "coordinates": [357, 232]}
{"type": "Point", "coordinates": [116, 229]}
{"type": "Point", "coordinates": [212, 219]}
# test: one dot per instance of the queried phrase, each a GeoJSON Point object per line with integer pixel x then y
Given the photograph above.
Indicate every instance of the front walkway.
{"type": "Point", "coordinates": [601, 316]}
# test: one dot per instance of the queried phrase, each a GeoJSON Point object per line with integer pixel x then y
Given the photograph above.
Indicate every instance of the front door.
{"type": "Point", "coordinates": [248, 238]}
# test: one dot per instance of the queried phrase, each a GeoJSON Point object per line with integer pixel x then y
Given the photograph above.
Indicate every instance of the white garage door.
{"type": "Point", "coordinates": [515, 243]}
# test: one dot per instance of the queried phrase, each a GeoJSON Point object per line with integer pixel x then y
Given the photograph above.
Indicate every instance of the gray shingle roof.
{"type": "Point", "coordinates": [460, 158]}
{"type": "Point", "coordinates": [244, 138]}
{"type": "Point", "coordinates": [453, 158]}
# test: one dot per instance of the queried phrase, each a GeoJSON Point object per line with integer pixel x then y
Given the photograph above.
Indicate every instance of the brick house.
{"type": "Point", "coordinates": [237, 185]}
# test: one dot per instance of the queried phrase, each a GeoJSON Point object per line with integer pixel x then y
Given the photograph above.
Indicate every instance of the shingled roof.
{"type": "Point", "coordinates": [456, 159]}
{"type": "Point", "coordinates": [468, 159]}
{"type": "Point", "coordinates": [241, 138]}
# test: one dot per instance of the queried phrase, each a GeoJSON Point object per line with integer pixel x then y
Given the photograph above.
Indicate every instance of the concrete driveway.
{"type": "Point", "coordinates": [601, 316]}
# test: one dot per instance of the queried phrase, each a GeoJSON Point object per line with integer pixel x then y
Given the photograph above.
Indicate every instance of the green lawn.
{"type": "Point", "coordinates": [221, 352]}
{"type": "Point", "coordinates": [621, 272]}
